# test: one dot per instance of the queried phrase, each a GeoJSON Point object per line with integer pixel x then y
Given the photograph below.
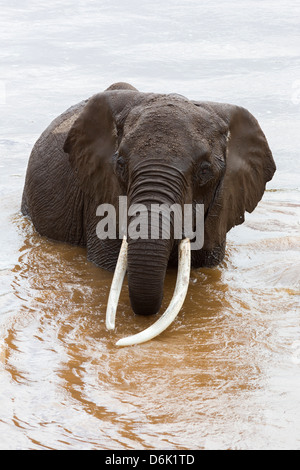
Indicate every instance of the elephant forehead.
{"type": "Point", "coordinates": [162, 121]}
{"type": "Point", "coordinates": [170, 112]}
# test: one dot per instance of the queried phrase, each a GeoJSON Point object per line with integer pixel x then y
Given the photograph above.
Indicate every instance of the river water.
{"type": "Point", "coordinates": [226, 374]}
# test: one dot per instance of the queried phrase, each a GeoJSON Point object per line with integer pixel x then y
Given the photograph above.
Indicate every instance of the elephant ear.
{"type": "Point", "coordinates": [93, 139]}
{"type": "Point", "coordinates": [249, 166]}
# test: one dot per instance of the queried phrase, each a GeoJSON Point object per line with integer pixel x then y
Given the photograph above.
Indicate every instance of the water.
{"type": "Point", "coordinates": [226, 374]}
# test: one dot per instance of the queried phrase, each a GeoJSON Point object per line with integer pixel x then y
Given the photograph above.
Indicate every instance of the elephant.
{"type": "Point", "coordinates": [153, 148]}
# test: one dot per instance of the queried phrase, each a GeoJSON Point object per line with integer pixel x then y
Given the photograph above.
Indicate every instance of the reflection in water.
{"type": "Point", "coordinates": [204, 383]}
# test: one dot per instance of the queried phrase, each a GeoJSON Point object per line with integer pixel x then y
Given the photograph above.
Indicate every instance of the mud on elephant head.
{"type": "Point", "coordinates": [154, 149]}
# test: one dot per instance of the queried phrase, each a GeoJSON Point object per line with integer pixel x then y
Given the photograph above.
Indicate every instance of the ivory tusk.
{"type": "Point", "coordinates": [182, 283]}
{"type": "Point", "coordinates": [116, 286]}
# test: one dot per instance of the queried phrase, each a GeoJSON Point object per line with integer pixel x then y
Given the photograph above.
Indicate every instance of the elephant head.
{"type": "Point", "coordinates": [166, 149]}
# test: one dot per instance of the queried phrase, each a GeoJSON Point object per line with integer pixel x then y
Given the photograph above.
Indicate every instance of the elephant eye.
{"type": "Point", "coordinates": [121, 162]}
{"type": "Point", "coordinates": [120, 166]}
{"type": "Point", "coordinates": [205, 168]}
{"type": "Point", "coordinates": [204, 172]}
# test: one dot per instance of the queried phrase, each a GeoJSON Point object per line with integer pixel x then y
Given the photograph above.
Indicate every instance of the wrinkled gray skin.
{"type": "Point", "coordinates": [154, 148]}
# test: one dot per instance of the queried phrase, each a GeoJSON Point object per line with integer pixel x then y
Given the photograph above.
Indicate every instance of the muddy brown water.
{"type": "Point", "coordinates": [226, 373]}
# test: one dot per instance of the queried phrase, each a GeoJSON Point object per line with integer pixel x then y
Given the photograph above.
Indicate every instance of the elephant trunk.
{"type": "Point", "coordinates": [147, 264]}
{"type": "Point", "coordinates": [146, 258]}
{"type": "Point", "coordinates": [153, 185]}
